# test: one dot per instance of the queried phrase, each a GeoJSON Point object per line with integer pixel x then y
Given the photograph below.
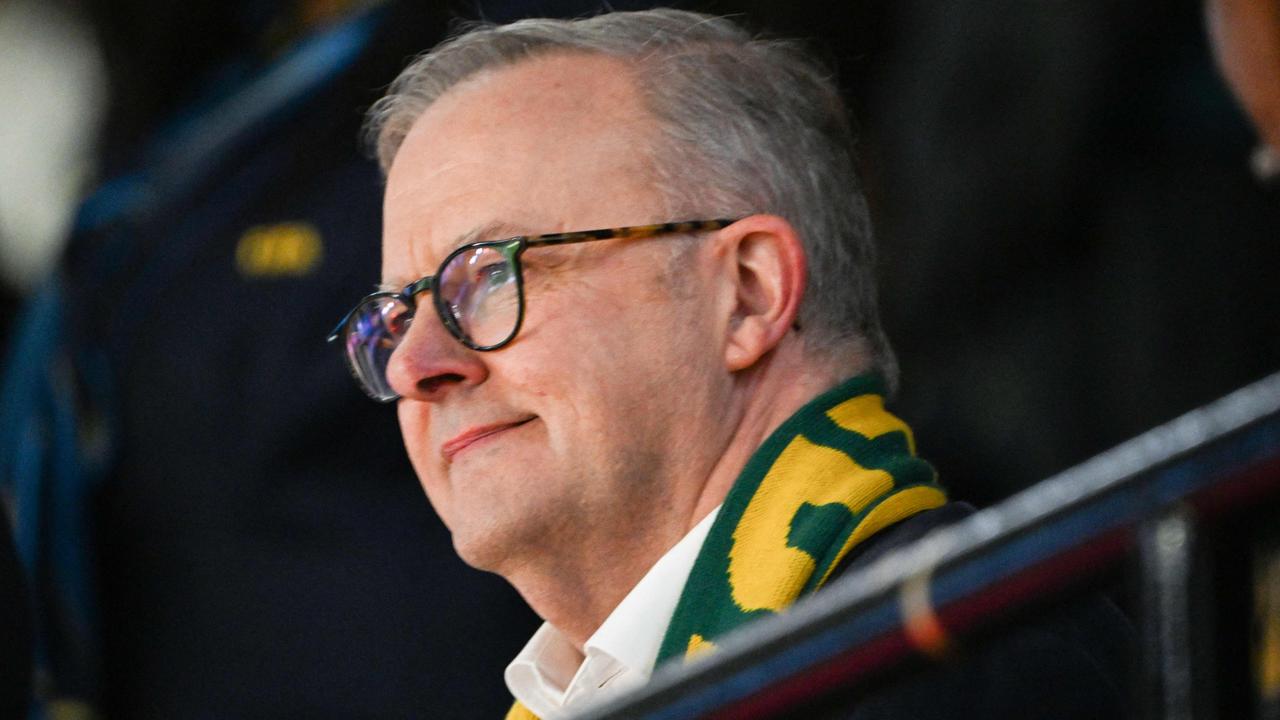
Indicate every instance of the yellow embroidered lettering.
{"type": "Point", "coordinates": [283, 249]}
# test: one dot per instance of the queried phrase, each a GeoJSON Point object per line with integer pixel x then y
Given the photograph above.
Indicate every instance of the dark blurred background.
{"type": "Point", "coordinates": [1073, 248]}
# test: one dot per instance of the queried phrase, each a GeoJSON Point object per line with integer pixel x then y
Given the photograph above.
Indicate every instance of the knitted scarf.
{"type": "Point", "coordinates": [839, 470]}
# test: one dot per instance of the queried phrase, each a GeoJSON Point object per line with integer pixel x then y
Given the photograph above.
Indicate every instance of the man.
{"type": "Point", "coordinates": [655, 431]}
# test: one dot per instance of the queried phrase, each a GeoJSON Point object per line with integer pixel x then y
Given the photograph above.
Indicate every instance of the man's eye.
{"type": "Point", "coordinates": [494, 274]}
{"type": "Point", "coordinates": [398, 323]}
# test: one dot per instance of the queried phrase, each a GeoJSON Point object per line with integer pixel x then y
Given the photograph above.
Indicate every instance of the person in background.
{"type": "Point", "coordinates": [1246, 43]}
{"type": "Point", "coordinates": [219, 523]}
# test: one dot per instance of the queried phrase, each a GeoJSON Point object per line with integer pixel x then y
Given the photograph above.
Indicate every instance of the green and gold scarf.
{"type": "Point", "coordinates": [839, 470]}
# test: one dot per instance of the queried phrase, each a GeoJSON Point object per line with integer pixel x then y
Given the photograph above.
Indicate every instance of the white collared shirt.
{"type": "Point", "coordinates": [553, 679]}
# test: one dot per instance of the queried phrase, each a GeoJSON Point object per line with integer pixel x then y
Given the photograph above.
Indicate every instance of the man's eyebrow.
{"type": "Point", "coordinates": [495, 230]}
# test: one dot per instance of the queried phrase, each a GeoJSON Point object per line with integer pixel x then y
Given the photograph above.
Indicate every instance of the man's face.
{"type": "Point", "coordinates": [581, 429]}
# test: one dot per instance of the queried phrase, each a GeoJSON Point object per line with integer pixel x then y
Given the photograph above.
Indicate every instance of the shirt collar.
{"type": "Point", "coordinates": [550, 674]}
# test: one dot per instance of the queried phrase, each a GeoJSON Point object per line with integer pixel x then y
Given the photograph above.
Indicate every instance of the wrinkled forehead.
{"type": "Point", "coordinates": [553, 143]}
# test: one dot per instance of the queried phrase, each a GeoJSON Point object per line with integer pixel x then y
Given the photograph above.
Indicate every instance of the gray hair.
{"type": "Point", "coordinates": [748, 125]}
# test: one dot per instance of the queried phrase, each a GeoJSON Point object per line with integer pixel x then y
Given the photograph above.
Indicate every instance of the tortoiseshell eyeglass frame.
{"type": "Point", "coordinates": [511, 249]}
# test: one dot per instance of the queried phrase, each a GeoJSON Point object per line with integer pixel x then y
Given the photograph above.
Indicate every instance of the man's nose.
{"type": "Point", "coordinates": [429, 362]}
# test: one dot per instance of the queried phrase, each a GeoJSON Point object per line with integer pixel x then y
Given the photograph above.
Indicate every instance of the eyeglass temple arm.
{"type": "Point", "coordinates": [635, 232]}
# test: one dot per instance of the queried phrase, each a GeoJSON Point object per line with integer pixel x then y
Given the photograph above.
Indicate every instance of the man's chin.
{"type": "Point", "coordinates": [475, 555]}
{"type": "Point", "coordinates": [489, 549]}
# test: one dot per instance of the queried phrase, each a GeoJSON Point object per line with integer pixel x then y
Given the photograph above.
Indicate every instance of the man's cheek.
{"type": "Point", "coordinates": [417, 441]}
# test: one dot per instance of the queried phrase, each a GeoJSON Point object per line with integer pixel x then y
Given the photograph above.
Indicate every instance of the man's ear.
{"type": "Point", "coordinates": [764, 268]}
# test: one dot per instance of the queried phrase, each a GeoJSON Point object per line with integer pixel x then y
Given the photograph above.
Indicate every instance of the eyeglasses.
{"type": "Point", "coordinates": [478, 293]}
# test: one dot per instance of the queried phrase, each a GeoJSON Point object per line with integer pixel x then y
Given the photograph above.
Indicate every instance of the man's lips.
{"type": "Point", "coordinates": [471, 435]}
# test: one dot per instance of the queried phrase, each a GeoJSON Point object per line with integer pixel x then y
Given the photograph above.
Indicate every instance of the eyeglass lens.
{"type": "Point", "coordinates": [374, 330]}
{"type": "Point", "coordinates": [479, 289]}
